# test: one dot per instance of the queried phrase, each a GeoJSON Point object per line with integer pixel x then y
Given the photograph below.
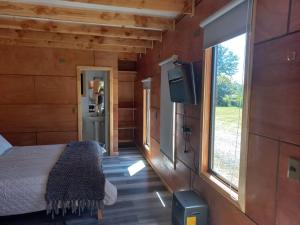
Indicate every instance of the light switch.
{"type": "Point", "coordinates": [294, 169]}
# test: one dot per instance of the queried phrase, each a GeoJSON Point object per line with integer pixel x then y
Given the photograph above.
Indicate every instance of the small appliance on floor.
{"type": "Point", "coordinates": [189, 209]}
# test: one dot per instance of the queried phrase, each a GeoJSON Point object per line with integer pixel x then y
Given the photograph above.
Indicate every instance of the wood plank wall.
{"type": "Point", "coordinates": [275, 125]}
{"type": "Point", "coordinates": [38, 103]}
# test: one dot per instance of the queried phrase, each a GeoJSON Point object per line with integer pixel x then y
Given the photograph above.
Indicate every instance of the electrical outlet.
{"type": "Point", "coordinates": [294, 169]}
{"type": "Point", "coordinates": [186, 130]}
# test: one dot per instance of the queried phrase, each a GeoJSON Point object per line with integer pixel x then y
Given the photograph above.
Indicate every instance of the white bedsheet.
{"type": "Point", "coordinates": [23, 178]}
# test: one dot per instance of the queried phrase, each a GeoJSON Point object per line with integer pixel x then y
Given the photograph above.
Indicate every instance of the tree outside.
{"type": "Point", "coordinates": [230, 92]}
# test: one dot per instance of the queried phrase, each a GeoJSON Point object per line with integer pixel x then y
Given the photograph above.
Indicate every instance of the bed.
{"type": "Point", "coordinates": [23, 177]}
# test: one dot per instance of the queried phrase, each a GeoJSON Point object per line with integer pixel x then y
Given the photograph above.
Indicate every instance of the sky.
{"type": "Point", "coordinates": [237, 45]}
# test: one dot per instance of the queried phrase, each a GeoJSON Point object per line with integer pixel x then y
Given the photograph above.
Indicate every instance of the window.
{"type": "Point", "coordinates": [227, 90]}
{"type": "Point", "coordinates": [226, 97]}
{"type": "Point", "coordinates": [146, 112]}
{"type": "Point", "coordinates": [147, 95]}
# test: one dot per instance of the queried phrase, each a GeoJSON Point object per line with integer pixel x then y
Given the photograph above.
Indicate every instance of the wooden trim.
{"type": "Point", "coordinates": [246, 111]}
{"type": "Point", "coordinates": [20, 23]}
{"type": "Point", "coordinates": [96, 41]}
{"type": "Point", "coordinates": [84, 16]}
{"type": "Point", "coordinates": [111, 103]}
{"type": "Point", "coordinates": [78, 46]}
{"type": "Point", "coordinates": [176, 6]}
{"type": "Point", "coordinates": [207, 70]}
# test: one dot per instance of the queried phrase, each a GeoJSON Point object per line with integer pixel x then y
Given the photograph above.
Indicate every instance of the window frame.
{"type": "Point", "coordinates": [235, 196]}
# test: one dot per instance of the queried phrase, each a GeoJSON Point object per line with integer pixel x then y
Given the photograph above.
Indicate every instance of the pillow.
{"type": "Point", "coordinates": [4, 145]}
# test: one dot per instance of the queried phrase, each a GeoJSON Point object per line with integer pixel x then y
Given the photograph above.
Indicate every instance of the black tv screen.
{"type": "Point", "coordinates": [184, 83]}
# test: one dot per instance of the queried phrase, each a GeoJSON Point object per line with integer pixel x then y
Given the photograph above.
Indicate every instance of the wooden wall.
{"type": "Point", "coordinates": [274, 123]}
{"type": "Point", "coordinates": [38, 90]}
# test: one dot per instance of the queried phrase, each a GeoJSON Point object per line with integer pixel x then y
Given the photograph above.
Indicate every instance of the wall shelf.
{"type": "Point", "coordinates": [126, 125]}
{"type": "Point", "coordinates": [126, 107]}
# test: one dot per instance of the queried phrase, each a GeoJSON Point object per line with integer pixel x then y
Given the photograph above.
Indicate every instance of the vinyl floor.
{"type": "Point", "coordinates": [142, 197]}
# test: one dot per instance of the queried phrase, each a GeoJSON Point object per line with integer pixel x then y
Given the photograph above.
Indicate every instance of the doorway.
{"type": "Point", "coordinates": [94, 88]}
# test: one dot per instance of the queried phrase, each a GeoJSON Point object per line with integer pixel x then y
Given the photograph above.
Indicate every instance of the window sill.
{"type": "Point", "coordinates": [220, 187]}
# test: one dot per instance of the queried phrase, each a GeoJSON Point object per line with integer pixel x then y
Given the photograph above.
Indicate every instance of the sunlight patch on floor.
{"type": "Point", "coordinates": [160, 198]}
{"type": "Point", "coordinates": [136, 167]}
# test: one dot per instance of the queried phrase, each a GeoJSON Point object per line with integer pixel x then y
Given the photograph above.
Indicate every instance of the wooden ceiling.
{"type": "Point", "coordinates": [105, 25]}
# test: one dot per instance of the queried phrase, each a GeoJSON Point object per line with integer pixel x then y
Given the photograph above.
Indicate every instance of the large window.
{"type": "Point", "coordinates": [226, 99]}
{"type": "Point", "coordinates": [227, 90]}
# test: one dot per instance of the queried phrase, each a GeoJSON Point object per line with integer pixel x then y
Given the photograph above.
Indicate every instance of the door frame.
{"type": "Point", "coordinates": [111, 103]}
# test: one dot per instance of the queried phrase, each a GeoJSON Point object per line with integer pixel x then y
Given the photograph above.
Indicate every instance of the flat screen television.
{"type": "Point", "coordinates": [184, 83]}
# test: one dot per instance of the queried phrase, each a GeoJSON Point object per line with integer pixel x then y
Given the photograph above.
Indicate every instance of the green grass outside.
{"type": "Point", "coordinates": [227, 117]}
{"type": "Point", "coordinates": [227, 146]}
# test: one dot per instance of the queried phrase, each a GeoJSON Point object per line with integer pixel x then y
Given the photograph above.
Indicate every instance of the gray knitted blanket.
{"type": "Point", "coordinates": [76, 181]}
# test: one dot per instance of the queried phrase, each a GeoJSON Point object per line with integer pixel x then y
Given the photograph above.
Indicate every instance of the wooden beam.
{"type": "Point", "coordinates": [176, 6]}
{"type": "Point", "coordinates": [81, 46]}
{"type": "Point", "coordinates": [85, 16]}
{"type": "Point", "coordinates": [71, 38]}
{"type": "Point", "coordinates": [75, 28]}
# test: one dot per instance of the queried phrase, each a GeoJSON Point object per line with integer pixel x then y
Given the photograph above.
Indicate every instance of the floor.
{"type": "Point", "coordinates": [142, 198]}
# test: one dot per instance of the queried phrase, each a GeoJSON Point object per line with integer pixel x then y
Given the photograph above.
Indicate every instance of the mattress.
{"type": "Point", "coordinates": [23, 178]}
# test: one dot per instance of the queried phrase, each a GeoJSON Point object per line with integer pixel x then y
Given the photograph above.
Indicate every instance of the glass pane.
{"type": "Point", "coordinates": [227, 107]}
{"type": "Point", "coordinates": [148, 117]}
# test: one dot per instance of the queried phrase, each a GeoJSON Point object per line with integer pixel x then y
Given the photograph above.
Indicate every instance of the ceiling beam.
{"type": "Point", "coordinates": [85, 16]}
{"type": "Point", "coordinates": [81, 46]}
{"type": "Point", "coordinates": [176, 6]}
{"type": "Point", "coordinates": [75, 28]}
{"type": "Point", "coordinates": [71, 38]}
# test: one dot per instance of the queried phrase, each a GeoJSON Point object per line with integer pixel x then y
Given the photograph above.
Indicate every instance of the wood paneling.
{"type": "Point", "coordinates": [295, 16]}
{"type": "Point", "coordinates": [42, 61]}
{"type": "Point", "coordinates": [16, 89]}
{"type": "Point", "coordinates": [176, 179]}
{"type": "Point", "coordinates": [221, 211]}
{"type": "Point", "coordinates": [190, 143]}
{"type": "Point", "coordinates": [262, 179]}
{"type": "Point", "coordinates": [55, 90]}
{"type": "Point", "coordinates": [275, 90]}
{"type": "Point", "coordinates": [271, 19]}
{"type": "Point", "coordinates": [31, 118]}
{"type": "Point", "coordinates": [48, 138]}
{"type": "Point", "coordinates": [288, 206]}
{"type": "Point", "coordinates": [128, 76]}
{"type": "Point", "coordinates": [20, 139]}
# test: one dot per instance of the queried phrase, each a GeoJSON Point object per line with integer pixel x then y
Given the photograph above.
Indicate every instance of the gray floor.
{"type": "Point", "coordinates": [138, 202]}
